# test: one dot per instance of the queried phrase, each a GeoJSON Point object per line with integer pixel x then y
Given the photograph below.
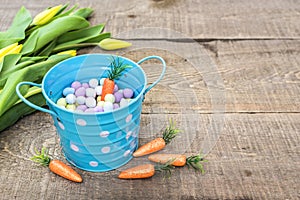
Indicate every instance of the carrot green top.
{"type": "Point", "coordinates": [41, 157]}
{"type": "Point", "coordinates": [170, 132]}
{"type": "Point", "coordinates": [116, 68]}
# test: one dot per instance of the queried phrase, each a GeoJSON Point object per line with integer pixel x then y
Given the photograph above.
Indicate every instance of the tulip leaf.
{"type": "Point", "coordinates": [78, 36]}
{"type": "Point", "coordinates": [83, 12]}
{"type": "Point", "coordinates": [47, 50]}
{"type": "Point", "coordinates": [42, 36]}
{"type": "Point", "coordinates": [16, 31]}
{"type": "Point", "coordinates": [9, 61]}
{"type": "Point", "coordinates": [98, 38]}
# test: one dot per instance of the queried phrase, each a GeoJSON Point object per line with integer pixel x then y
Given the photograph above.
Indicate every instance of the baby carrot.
{"type": "Point", "coordinates": [158, 143]}
{"type": "Point", "coordinates": [144, 171]}
{"type": "Point", "coordinates": [116, 69]}
{"type": "Point", "coordinates": [179, 160]}
{"type": "Point", "coordinates": [56, 166]}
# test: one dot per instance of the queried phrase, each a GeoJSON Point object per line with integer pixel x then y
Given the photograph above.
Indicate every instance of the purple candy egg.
{"type": "Point", "coordinates": [128, 93]}
{"type": "Point", "coordinates": [116, 88]}
{"type": "Point", "coordinates": [85, 85]}
{"type": "Point", "coordinates": [98, 109]}
{"type": "Point", "coordinates": [81, 107]}
{"type": "Point", "coordinates": [76, 85]}
{"type": "Point", "coordinates": [118, 97]}
{"type": "Point", "coordinates": [80, 92]}
{"type": "Point", "coordinates": [116, 106]}
{"type": "Point", "coordinates": [89, 110]}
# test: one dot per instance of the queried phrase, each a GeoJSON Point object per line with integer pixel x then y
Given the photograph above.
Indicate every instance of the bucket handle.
{"type": "Point", "coordinates": [162, 73]}
{"type": "Point", "coordinates": [28, 102]}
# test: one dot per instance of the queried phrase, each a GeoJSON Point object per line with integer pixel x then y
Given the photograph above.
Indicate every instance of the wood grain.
{"type": "Point", "coordinates": [256, 157]}
{"type": "Point", "coordinates": [210, 19]}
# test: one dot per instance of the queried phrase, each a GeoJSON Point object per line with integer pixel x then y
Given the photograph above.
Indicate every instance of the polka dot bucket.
{"type": "Point", "coordinates": [95, 142]}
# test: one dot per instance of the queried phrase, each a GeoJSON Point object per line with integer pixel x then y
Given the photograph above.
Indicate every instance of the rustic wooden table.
{"type": "Point", "coordinates": [232, 84]}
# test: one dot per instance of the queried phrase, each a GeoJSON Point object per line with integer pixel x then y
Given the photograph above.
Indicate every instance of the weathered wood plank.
{"type": "Point", "coordinates": [242, 76]}
{"type": "Point", "coordinates": [256, 157]}
{"type": "Point", "coordinates": [196, 19]}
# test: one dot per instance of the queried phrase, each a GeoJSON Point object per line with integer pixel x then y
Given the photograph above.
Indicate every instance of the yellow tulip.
{"type": "Point", "coordinates": [11, 49]}
{"type": "Point", "coordinates": [69, 52]}
{"type": "Point", "coordinates": [113, 44]}
{"type": "Point", "coordinates": [46, 15]}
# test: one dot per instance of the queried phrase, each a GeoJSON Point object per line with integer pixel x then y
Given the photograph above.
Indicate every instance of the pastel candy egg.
{"type": "Point", "coordinates": [109, 98]}
{"type": "Point", "coordinates": [116, 88]}
{"type": "Point", "coordinates": [98, 98]}
{"type": "Point", "coordinates": [80, 91]}
{"type": "Point", "coordinates": [128, 93]}
{"type": "Point", "coordinates": [93, 83]}
{"type": "Point", "coordinates": [108, 106]}
{"type": "Point", "coordinates": [90, 102]}
{"type": "Point", "coordinates": [81, 107]}
{"type": "Point", "coordinates": [123, 103]}
{"type": "Point", "coordinates": [90, 92]}
{"type": "Point", "coordinates": [89, 110]}
{"type": "Point", "coordinates": [85, 85]}
{"type": "Point", "coordinates": [121, 91]}
{"type": "Point", "coordinates": [100, 103]}
{"type": "Point", "coordinates": [98, 109]}
{"type": "Point", "coordinates": [80, 100]}
{"type": "Point", "coordinates": [61, 102]}
{"type": "Point", "coordinates": [71, 107]}
{"type": "Point", "coordinates": [70, 98]}
{"type": "Point", "coordinates": [116, 106]}
{"type": "Point", "coordinates": [118, 96]}
{"type": "Point", "coordinates": [98, 90]}
{"type": "Point", "coordinates": [76, 85]}
{"type": "Point", "coordinates": [102, 81]}
{"type": "Point", "coordinates": [68, 90]}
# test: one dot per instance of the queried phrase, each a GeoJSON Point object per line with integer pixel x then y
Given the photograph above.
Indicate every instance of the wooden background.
{"type": "Point", "coordinates": [233, 78]}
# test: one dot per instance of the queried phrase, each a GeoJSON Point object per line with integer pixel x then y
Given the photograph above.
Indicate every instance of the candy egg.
{"type": "Point", "coordinates": [116, 88]}
{"type": "Point", "coordinates": [108, 106]}
{"type": "Point", "coordinates": [121, 91]}
{"type": "Point", "coordinates": [61, 102]}
{"type": "Point", "coordinates": [71, 107]}
{"type": "Point", "coordinates": [81, 107]}
{"type": "Point", "coordinates": [70, 98]}
{"type": "Point", "coordinates": [128, 93]}
{"type": "Point", "coordinates": [76, 85]}
{"type": "Point", "coordinates": [80, 100]}
{"type": "Point", "coordinates": [68, 90]}
{"type": "Point", "coordinates": [90, 92]}
{"type": "Point", "coordinates": [100, 103]}
{"type": "Point", "coordinates": [80, 91]}
{"type": "Point", "coordinates": [116, 106]}
{"type": "Point", "coordinates": [85, 85]}
{"type": "Point", "coordinates": [93, 83]}
{"type": "Point", "coordinates": [98, 90]}
{"type": "Point", "coordinates": [90, 102]}
{"type": "Point", "coordinates": [118, 96]}
{"type": "Point", "coordinates": [123, 103]}
{"type": "Point", "coordinates": [102, 81]}
{"type": "Point", "coordinates": [109, 98]}
{"type": "Point", "coordinates": [98, 109]}
{"type": "Point", "coordinates": [89, 110]}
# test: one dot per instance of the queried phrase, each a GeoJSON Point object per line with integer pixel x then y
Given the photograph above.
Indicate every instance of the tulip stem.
{"type": "Point", "coordinates": [73, 46]}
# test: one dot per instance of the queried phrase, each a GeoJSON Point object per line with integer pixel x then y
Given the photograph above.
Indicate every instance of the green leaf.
{"type": "Point", "coordinates": [16, 31]}
{"type": "Point", "coordinates": [83, 12]}
{"type": "Point", "coordinates": [33, 58]}
{"type": "Point", "coordinates": [98, 38]}
{"type": "Point", "coordinates": [42, 36]}
{"type": "Point", "coordinates": [47, 50]}
{"type": "Point", "coordinates": [79, 36]}
{"type": "Point", "coordinates": [33, 73]}
{"type": "Point", "coordinates": [9, 61]}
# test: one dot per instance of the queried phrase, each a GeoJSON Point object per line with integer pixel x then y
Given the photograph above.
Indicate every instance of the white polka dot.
{"type": "Point", "coordinates": [132, 144]}
{"type": "Point", "coordinates": [104, 134]}
{"type": "Point", "coordinates": [134, 134]}
{"type": "Point", "coordinates": [93, 163]}
{"type": "Point", "coordinates": [129, 133]}
{"type": "Point", "coordinates": [128, 118]}
{"type": "Point", "coordinates": [126, 153]}
{"type": "Point", "coordinates": [61, 125]}
{"type": "Point", "coordinates": [105, 149]}
{"type": "Point", "coordinates": [74, 147]}
{"type": "Point", "coordinates": [119, 134]}
{"type": "Point", "coordinates": [81, 122]}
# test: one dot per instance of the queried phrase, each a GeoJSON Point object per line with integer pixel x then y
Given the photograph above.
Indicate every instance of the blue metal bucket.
{"type": "Point", "coordinates": [95, 141]}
